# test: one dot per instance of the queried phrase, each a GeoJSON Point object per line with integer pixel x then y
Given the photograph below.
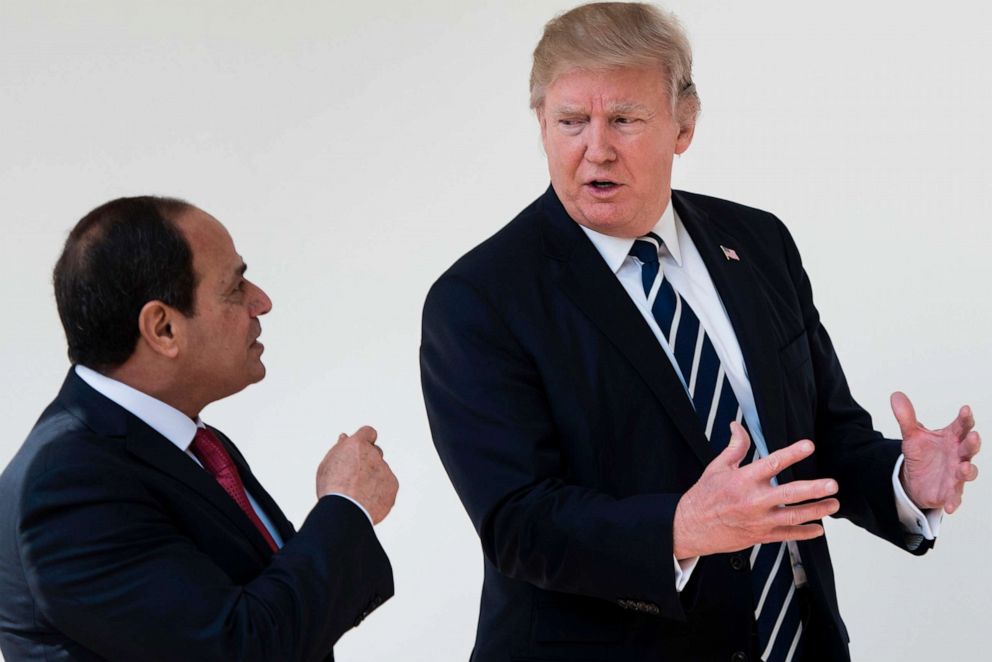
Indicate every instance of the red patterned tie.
{"type": "Point", "coordinates": [218, 463]}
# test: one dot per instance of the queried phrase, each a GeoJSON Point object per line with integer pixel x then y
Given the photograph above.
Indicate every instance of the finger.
{"type": "Point", "coordinates": [970, 446]}
{"type": "Point", "coordinates": [736, 449]}
{"type": "Point", "coordinates": [958, 496]}
{"type": "Point", "coordinates": [965, 421]}
{"type": "Point", "coordinates": [366, 433]}
{"type": "Point", "coordinates": [800, 490]}
{"type": "Point", "coordinates": [966, 472]}
{"type": "Point", "coordinates": [768, 467]}
{"type": "Point", "coordinates": [810, 512]}
{"type": "Point", "coordinates": [905, 415]}
{"type": "Point", "coordinates": [342, 436]}
{"type": "Point", "coordinates": [802, 532]}
{"type": "Point", "coordinates": [953, 504]}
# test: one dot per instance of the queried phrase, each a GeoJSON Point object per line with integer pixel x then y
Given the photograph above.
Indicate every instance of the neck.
{"type": "Point", "coordinates": [158, 385]}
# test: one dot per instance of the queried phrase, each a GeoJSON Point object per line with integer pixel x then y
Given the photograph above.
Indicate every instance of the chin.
{"type": "Point", "coordinates": [618, 221]}
{"type": "Point", "coordinates": [611, 224]}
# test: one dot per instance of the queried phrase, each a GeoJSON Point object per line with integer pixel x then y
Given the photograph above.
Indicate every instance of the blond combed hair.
{"type": "Point", "coordinates": [617, 35]}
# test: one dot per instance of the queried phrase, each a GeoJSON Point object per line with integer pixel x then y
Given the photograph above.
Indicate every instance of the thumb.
{"type": "Point", "coordinates": [737, 447]}
{"type": "Point", "coordinates": [905, 415]}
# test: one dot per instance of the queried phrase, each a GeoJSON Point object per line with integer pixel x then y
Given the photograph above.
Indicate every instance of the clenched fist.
{"type": "Point", "coordinates": [355, 467]}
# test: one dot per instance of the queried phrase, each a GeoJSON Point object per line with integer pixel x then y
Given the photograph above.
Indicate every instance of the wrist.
{"type": "Point", "coordinates": [682, 547]}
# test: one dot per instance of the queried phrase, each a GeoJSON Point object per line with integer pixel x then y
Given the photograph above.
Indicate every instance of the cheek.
{"type": "Point", "coordinates": [653, 161]}
{"type": "Point", "coordinates": [229, 332]}
{"type": "Point", "coordinates": [563, 152]}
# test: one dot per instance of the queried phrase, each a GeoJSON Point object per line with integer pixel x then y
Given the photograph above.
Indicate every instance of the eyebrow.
{"type": "Point", "coordinates": [629, 107]}
{"type": "Point", "coordinates": [570, 110]}
{"type": "Point", "coordinates": [238, 272]}
{"type": "Point", "coordinates": [617, 108]}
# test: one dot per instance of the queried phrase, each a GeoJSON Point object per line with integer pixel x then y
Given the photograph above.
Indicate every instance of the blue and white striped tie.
{"type": "Point", "coordinates": [777, 613]}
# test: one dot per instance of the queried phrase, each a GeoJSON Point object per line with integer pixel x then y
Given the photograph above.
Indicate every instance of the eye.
{"type": "Point", "coordinates": [624, 120]}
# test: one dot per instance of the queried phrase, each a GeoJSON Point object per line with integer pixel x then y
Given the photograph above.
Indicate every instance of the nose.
{"type": "Point", "coordinates": [599, 145]}
{"type": "Point", "coordinates": [260, 301]}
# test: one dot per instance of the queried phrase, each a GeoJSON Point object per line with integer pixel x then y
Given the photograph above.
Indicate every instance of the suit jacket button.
{"type": "Point", "coordinates": [738, 563]}
{"type": "Point", "coordinates": [739, 656]}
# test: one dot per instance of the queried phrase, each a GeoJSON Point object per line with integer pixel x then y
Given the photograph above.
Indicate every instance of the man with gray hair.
{"type": "Point", "coordinates": [635, 399]}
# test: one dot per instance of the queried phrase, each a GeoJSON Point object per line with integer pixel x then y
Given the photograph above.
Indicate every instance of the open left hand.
{"type": "Point", "coordinates": [938, 462]}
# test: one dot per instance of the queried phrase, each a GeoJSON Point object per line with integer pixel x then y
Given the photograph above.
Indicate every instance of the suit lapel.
{"type": "Point", "coordinates": [272, 510]}
{"type": "Point", "coordinates": [739, 290]}
{"type": "Point", "coordinates": [159, 453]}
{"type": "Point", "coordinates": [276, 516]}
{"type": "Point", "coordinates": [590, 284]}
{"type": "Point", "coordinates": [108, 419]}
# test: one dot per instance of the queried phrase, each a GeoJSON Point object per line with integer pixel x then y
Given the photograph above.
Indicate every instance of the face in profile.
{"type": "Point", "coordinates": [610, 139]}
{"type": "Point", "coordinates": [219, 343]}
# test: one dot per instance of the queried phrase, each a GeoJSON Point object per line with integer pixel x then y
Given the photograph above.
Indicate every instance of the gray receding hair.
{"type": "Point", "coordinates": [614, 35]}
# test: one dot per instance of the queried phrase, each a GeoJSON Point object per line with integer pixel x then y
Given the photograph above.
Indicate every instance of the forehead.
{"type": "Point", "coordinates": [213, 249]}
{"type": "Point", "coordinates": [613, 88]}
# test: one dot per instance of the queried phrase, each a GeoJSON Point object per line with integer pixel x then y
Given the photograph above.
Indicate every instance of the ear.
{"type": "Point", "coordinates": [684, 139]}
{"type": "Point", "coordinates": [157, 326]}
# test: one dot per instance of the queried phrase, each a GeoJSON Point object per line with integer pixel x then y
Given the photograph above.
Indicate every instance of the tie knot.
{"type": "Point", "coordinates": [209, 452]}
{"type": "Point", "coordinates": [646, 249]}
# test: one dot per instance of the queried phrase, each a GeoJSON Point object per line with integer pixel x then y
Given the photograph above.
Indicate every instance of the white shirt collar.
{"type": "Point", "coordinates": [615, 249]}
{"type": "Point", "coordinates": [168, 421]}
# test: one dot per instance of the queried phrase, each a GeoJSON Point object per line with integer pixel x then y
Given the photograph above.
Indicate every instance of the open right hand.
{"type": "Point", "coordinates": [355, 467]}
{"type": "Point", "coordinates": [731, 508]}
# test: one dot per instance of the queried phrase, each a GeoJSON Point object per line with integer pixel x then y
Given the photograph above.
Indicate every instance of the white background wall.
{"type": "Point", "coordinates": [354, 150]}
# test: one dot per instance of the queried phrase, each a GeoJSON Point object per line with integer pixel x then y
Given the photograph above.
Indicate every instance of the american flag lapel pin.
{"type": "Point", "coordinates": [730, 253]}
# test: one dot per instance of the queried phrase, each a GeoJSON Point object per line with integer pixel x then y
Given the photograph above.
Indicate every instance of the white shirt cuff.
{"type": "Point", "coordinates": [914, 520]}
{"type": "Point", "coordinates": [360, 506]}
{"type": "Point", "coordinates": [683, 570]}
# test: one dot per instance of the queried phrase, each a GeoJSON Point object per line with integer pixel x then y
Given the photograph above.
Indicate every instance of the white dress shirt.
{"type": "Point", "coordinates": [685, 270]}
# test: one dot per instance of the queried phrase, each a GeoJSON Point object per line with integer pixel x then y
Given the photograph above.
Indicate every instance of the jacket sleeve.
{"type": "Point", "coordinates": [495, 431]}
{"type": "Point", "coordinates": [849, 449]}
{"type": "Point", "coordinates": [111, 571]}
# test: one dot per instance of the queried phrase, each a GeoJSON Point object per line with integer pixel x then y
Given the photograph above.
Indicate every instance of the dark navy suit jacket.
{"type": "Point", "coordinates": [115, 545]}
{"type": "Point", "coordinates": [570, 439]}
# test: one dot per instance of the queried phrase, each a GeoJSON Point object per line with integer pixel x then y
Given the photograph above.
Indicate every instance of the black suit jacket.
{"type": "Point", "coordinates": [569, 438]}
{"type": "Point", "coordinates": [115, 545]}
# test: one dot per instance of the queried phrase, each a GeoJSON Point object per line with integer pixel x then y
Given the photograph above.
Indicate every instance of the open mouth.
{"type": "Point", "coordinates": [603, 185]}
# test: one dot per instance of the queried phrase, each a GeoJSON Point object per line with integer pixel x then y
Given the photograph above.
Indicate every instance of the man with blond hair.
{"type": "Point", "coordinates": [635, 399]}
